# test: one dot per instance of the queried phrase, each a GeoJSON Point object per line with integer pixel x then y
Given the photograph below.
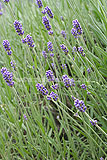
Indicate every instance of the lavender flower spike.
{"type": "Point", "coordinates": [8, 77]}
{"type": "Point", "coordinates": [53, 96]}
{"type": "Point", "coordinates": [6, 1]}
{"type": "Point", "coordinates": [18, 27]}
{"type": "Point", "coordinates": [42, 89]}
{"type": "Point", "coordinates": [66, 80]}
{"type": "Point", "coordinates": [49, 12]}
{"type": "Point", "coordinates": [46, 23]}
{"type": "Point", "coordinates": [49, 75]}
{"type": "Point", "coordinates": [63, 34]}
{"type": "Point", "coordinates": [7, 47]}
{"type": "Point", "coordinates": [50, 46]}
{"type": "Point", "coordinates": [79, 104]}
{"type": "Point", "coordinates": [39, 3]}
{"type": "Point", "coordinates": [64, 48]}
{"type": "Point", "coordinates": [13, 65]}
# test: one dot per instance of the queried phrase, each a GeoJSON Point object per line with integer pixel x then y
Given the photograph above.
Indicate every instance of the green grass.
{"type": "Point", "coordinates": [52, 132]}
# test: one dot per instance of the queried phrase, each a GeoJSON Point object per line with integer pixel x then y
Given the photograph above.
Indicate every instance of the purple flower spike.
{"type": "Point", "coordinates": [50, 46]}
{"type": "Point", "coordinates": [18, 28]}
{"type": "Point", "coordinates": [39, 3]}
{"type": "Point", "coordinates": [46, 23]}
{"type": "Point", "coordinates": [66, 80]}
{"type": "Point", "coordinates": [88, 70]}
{"type": "Point", "coordinates": [83, 86]}
{"type": "Point", "coordinates": [64, 66]}
{"type": "Point", "coordinates": [44, 11]}
{"type": "Point", "coordinates": [7, 47]}
{"type": "Point", "coordinates": [13, 65]}
{"type": "Point", "coordinates": [53, 96]}
{"type": "Point", "coordinates": [81, 51]}
{"type": "Point", "coordinates": [49, 75]}
{"type": "Point", "coordinates": [44, 54]}
{"type": "Point", "coordinates": [50, 33]}
{"type": "Point", "coordinates": [8, 77]}
{"type": "Point", "coordinates": [52, 54]}
{"type": "Point", "coordinates": [93, 122]}
{"type": "Point", "coordinates": [41, 89]}
{"type": "Point", "coordinates": [55, 86]}
{"type": "Point", "coordinates": [49, 12]}
{"type": "Point", "coordinates": [6, 1]}
{"type": "Point", "coordinates": [25, 117]}
{"type": "Point", "coordinates": [64, 48]}
{"type": "Point", "coordinates": [74, 32]}
{"type": "Point", "coordinates": [63, 34]}
{"type": "Point", "coordinates": [79, 104]}
{"type": "Point", "coordinates": [28, 39]}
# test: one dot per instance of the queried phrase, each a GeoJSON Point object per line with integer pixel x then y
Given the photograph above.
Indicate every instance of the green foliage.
{"type": "Point", "coordinates": [51, 131]}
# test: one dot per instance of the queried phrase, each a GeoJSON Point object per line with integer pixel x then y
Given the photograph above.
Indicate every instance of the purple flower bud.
{"type": "Point", "coordinates": [49, 75]}
{"type": "Point", "coordinates": [63, 34]}
{"type": "Point", "coordinates": [79, 104]}
{"type": "Point", "coordinates": [52, 54]}
{"type": "Point", "coordinates": [66, 80]}
{"type": "Point", "coordinates": [7, 47]}
{"type": "Point", "coordinates": [49, 12]}
{"type": "Point", "coordinates": [53, 96]}
{"type": "Point", "coordinates": [8, 77]}
{"type": "Point", "coordinates": [44, 11]}
{"type": "Point", "coordinates": [50, 46]}
{"type": "Point", "coordinates": [88, 70]}
{"type": "Point", "coordinates": [25, 117]}
{"type": "Point", "coordinates": [93, 122]}
{"type": "Point", "coordinates": [1, 13]}
{"type": "Point", "coordinates": [64, 66]}
{"type": "Point", "coordinates": [74, 32]}
{"type": "Point", "coordinates": [44, 54]}
{"type": "Point", "coordinates": [13, 65]}
{"type": "Point", "coordinates": [46, 23]}
{"type": "Point", "coordinates": [55, 86]}
{"type": "Point", "coordinates": [84, 86]}
{"type": "Point", "coordinates": [64, 48]}
{"type": "Point", "coordinates": [42, 89]}
{"type": "Point", "coordinates": [50, 32]}
{"type": "Point", "coordinates": [39, 3]}
{"type": "Point", "coordinates": [6, 1]}
{"type": "Point", "coordinates": [18, 27]}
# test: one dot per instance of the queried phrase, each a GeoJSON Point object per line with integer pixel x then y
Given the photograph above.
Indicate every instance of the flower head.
{"type": "Point", "coordinates": [44, 11]}
{"type": "Point", "coordinates": [53, 96]}
{"type": "Point", "coordinates": [44, 54]}
{"type": "Point", "coordinates": [49, 12]}
{"type": "Point", "coordinates": [64, 66]}
{"type": "Point", "coordinates": [13, 65]}
{"type": "Point", "coordinates": [42, 89]}
{"type": "Point", "coordinates": [39, 3]}
{"type": "Point", "coordinates": [50, 46]}
{"type": "Point", "coordinates": [79, 104]}
{"type": "Point", "coordinates": [25, 117]}
{"type": "Point", "coordinates": [6, 1]}
{"type": "Point", "coordinates": [63, 34]}
{"type": "Point", "coordinates": [55, 86]}
{"type": "Point", "coordinates": [83, 86]}
{"type": "Point", "coordinates": [93, 122]}
{"type": "Point", "coordinates": [76, 30]}
{"type": "Point", "coordinates": [7, 47]}
{"type": "Point", "coordinates": [28, 39]}
{"type": "Point", "coordinates": [64, 48]}
{"type": "Point", "coordinates": [81, 51]}
{"type": "Point", "coordinates": [49, 75]}
{"type": "Point", "coordinates": [8, 77]}
{"type": "Point", "coordinates": [18, 27]}
{"type": "Point", "coordinates": [46, 23]}
{"type": "Point", "coordinates": [88, 70]}
{"type": "Point", "coordinates": [66, 80]}
{"type": "Point", "coordinates": [50, 32]}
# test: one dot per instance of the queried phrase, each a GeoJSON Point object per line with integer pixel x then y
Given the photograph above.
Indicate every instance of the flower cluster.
{"type": "Point", "coordinates": [52, 54]}
{"type": "Point", "coordinates": [64, 48]}
{"type": "Point", "coordinates": [8, 77]}
{"type": "Point", "coordinates": [81, 51]}
{"type": "Point", "coordinates": [53, 96]}
{"type": "Point", "coordinates": [42, 89]}
{"type": "Point", "coordinates": [66, 80]}
{"type": "Point", "coordinates": [49, 75]}
{"type": "Point", "coordinates": [93, 122]}
{"type": "Point", "coordinates": [50, 32]}
{"type": "Point", "coordinates": [50, 46]}
{"type": "Point", "coordinates": [49, 12]}
{"type": "Point", "coordinates": [25, 117]}
{"type": "Point", "coordinates": [44, 54]}
{"type": "Point", "coordinates": [76, 30]}
{"type": "Point", "coordinates": [7, 47]}
{"type": "Point", "coordinates": [46, 23]}
{"type": "Point", "coordinates": [88, 70]}
{"type": "Point", "coordinates": [83, 86]}
{"type": "Point", "coordinates": [13, 65]}
{"type": "Point", "coordinates": [39, 3]}
{"type": "Point", "coordinates": [18, 27]}
{"type": "Point", "coordinates": [6, 1]}
{"type": "Point", "coordinates": [72, 82]}
{"type": "Point", "coordinates": [55, 86]}
{"type": "Point", "coordinates": [79, 104]}
{"type": "Point", "coordinates": [44, 11]}
{"type": "Point", "coordinates": [64, 66]}
{"type": "Point", "coordinates": [63, 34]}
{"type": "Point", "coordinates": [28, 39]}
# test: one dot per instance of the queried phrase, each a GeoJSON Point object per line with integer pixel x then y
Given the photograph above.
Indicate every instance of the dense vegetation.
{"type": "Point", "coordinates": [53, 95]}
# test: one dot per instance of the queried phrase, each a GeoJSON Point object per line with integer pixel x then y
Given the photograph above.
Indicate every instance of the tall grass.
{"type": "Point", "coordinates": [52, 131]}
